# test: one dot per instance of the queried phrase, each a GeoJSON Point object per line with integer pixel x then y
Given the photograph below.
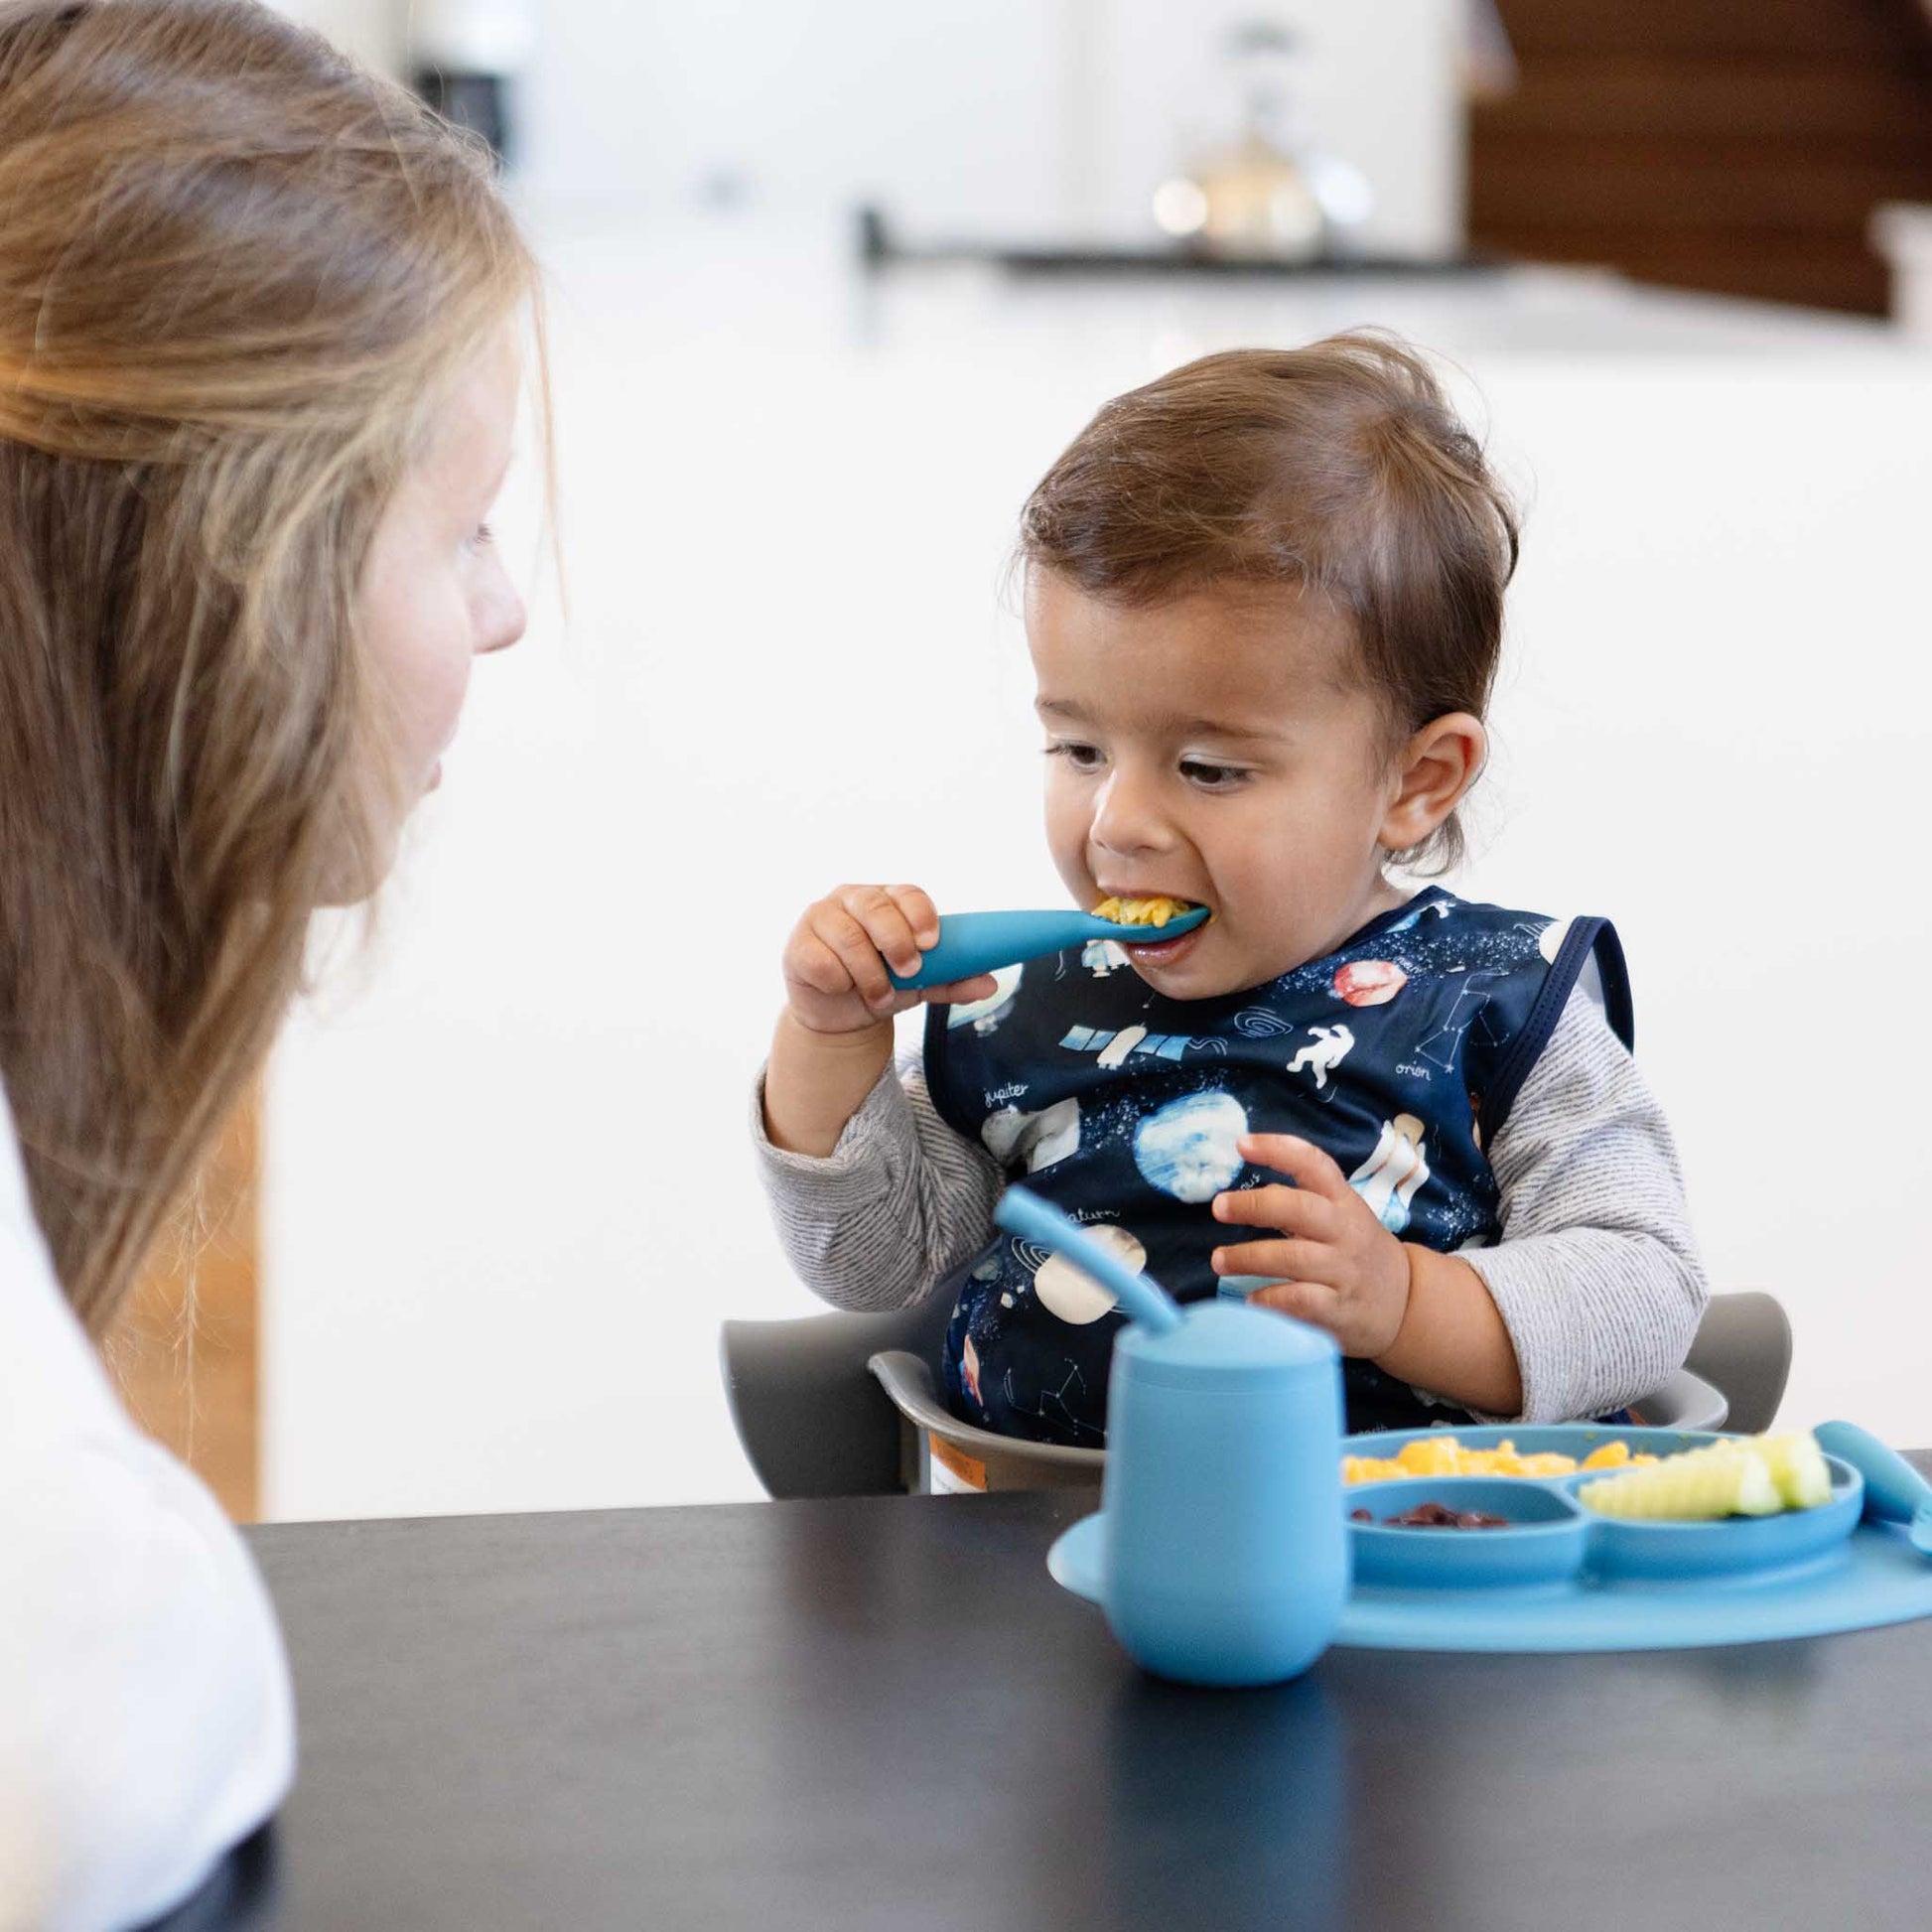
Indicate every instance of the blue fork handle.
{"type": "Point", "coordinates": [971, 943]}
{"type": "Point", "coordinates": [1894, 1491]}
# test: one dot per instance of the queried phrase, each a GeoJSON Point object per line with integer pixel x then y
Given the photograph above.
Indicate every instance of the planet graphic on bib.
{"type": "Point", "coordinates": [1077, 1297]}
{"type": "Point", "coordinates": [1188, 1149]}
{"type": "Point", "coordinates": [1369, 982]}
{"type": "Point", "coordinates": [984, 1015]}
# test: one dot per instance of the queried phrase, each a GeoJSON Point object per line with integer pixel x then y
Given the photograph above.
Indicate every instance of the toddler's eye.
{"type": "Point", "coordinates": [1211, 778]}
{"type": "Point", "coordinates": [482, 537]}
{"type": "Point", "coordinates": [1082, 758]}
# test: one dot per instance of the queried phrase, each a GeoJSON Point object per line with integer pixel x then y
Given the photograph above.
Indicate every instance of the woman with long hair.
{"type": "Point", "coordinates": [260, 364]}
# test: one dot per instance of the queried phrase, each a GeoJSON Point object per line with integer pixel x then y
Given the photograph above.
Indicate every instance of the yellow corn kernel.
{"type": "Point", "coordinates": [1431, 1456]}
{"type": "Point", "coordinates": [1370, 1468]}
{"type": "Point", "coordinates": [1439, 1453]}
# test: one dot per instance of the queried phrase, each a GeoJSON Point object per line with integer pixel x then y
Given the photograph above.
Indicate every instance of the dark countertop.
{"type": "Point", "coordinates": [881, 1713]}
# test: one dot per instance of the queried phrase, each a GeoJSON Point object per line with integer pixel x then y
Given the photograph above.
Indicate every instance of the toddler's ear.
{"type": "Point", "coordinates": [1431, 772]}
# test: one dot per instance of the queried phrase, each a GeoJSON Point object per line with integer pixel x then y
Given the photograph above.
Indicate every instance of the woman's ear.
{"type": "Point", "coordinates": [1436, 766]}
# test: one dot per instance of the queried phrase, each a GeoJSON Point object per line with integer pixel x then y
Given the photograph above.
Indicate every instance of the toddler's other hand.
{"type": "Point", "coordinates": [1342, 1269]}
{"type": "Point", "coordinates": [837, 959]}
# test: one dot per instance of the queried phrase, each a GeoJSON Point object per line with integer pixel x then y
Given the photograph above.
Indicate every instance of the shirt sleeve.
{"type": "Point", "coordinates": [1597, 1275]}
{"type": "Point", "coordinates": [146, 1717]}
{"type": "Point", "coordinates": [898, 1205]}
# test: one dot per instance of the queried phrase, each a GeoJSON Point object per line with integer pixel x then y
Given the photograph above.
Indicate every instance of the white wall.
{"type": "Point", "coordinates": [509, 1193]}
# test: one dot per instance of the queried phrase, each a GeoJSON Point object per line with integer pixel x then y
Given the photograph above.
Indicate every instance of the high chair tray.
{"type": "Point", "coordinates": [1561, 1579]}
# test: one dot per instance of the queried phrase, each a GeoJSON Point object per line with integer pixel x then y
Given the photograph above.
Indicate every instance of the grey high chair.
{"type": "Point", "coordinates": [843, 1405]}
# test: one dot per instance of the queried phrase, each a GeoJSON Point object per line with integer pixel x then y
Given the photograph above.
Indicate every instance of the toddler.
{"type": "Point", "coordinates": [1263, 602]}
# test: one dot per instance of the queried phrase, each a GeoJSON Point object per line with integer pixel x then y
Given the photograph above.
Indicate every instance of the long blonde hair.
{"type": "Point", "coordinates": [233, 267]}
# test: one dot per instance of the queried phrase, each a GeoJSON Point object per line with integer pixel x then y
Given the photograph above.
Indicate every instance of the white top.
{"type": "Point", "coordinates": [146, 1719]}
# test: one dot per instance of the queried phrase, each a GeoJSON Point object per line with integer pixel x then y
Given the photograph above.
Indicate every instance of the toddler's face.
{"type": "Point", "coordinates": [1216, 749]}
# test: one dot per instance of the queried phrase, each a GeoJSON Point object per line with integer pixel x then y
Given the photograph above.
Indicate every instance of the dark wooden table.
{"type": "Point", "coordinates": [881, 1713]}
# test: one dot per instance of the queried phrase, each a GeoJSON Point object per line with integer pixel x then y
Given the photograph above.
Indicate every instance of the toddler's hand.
{"type": "Point", "coordinates": [837, 958]}
{"type": "Point", "coordinates": [1342, 1269]}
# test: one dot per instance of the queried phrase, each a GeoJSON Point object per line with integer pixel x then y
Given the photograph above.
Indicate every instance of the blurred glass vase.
{"type": "Point", "coordinates": [1268, 192]}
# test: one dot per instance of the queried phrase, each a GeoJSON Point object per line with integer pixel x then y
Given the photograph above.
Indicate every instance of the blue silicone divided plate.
{"type": "Point", "coordinates": [1610, 1549]}
{"type": "Point", "coordinates": [1641, 1587]}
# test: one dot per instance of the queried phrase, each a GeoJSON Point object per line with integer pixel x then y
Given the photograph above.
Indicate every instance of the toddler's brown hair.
{"type": "Point", "coordinates": [1339, 469]}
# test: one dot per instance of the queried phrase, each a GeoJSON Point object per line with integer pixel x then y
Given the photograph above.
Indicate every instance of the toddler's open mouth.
{"type": "Point", "coordinates": [1152, 910]}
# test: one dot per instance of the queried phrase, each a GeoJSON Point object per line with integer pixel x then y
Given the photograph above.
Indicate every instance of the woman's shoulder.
{"type": "Point", "coordinates": [133, 1613]}
{"type": "Point", "coordinates": [51, 1384]}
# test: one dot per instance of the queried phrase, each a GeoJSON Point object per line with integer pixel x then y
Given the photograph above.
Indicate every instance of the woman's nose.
{"type": "Point", "coordinates": [502, 618]}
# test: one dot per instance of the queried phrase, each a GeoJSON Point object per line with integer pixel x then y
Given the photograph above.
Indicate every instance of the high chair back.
{"type": "Point", "coordinates": [837, 1405]}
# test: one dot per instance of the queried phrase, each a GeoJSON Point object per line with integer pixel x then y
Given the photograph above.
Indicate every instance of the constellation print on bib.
{"type": "Point", "coordinates": [1444, 1045]}
{"type": "Point", "coordinates": [1059, 1409]}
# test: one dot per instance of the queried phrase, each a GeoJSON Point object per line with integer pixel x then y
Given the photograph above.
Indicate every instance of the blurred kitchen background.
{"type": "Point", "coordinates": [832, 281]}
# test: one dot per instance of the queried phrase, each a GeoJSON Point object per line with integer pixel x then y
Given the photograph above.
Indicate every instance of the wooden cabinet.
{"type": "Point", "coordinates": [185, 1346]}
{"type": "Point", "coordinates": [1737, 146]}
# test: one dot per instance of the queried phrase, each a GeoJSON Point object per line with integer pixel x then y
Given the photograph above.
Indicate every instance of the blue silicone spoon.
{"type": "Point", "coordinates": [978, 942]}
{"type": "Point", "coordinates": [1894, 1491]}
{"type": "Point", "coordinates": [1027, 1216]}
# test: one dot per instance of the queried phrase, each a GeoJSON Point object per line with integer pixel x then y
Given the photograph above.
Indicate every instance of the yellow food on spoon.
{"type": "Point", "coordinates": [1141, 911]}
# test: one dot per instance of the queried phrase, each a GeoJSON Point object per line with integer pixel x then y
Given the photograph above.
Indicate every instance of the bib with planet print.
{"type": "Point", "coordinates": [1397, 1054]}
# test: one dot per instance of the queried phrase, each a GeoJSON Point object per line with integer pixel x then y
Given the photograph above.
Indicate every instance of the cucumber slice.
{"type": "Point", "coordinates": [1797, 1467]}
{"type": "Point", "coordinates": [1699, 1487]}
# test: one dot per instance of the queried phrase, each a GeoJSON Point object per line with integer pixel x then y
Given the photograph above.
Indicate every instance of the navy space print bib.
{"type": "Point", "coordinates": [1398, 1054]}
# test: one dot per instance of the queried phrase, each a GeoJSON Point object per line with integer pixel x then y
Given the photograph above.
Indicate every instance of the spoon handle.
{"type": "Point", "coordinates": [982, 942]}
{"type": "Point", "coordinates": [1029, 1217]}
{"type": "Point", "coordinates": [1894, 1491]}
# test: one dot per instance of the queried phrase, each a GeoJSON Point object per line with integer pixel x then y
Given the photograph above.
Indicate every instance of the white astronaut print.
{"type": "Point", "coordinates": [1324, 1053]}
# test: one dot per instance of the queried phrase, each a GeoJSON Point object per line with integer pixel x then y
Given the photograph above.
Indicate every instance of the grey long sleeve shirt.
{"type": "Point", "coordinates": [1596, 1276]}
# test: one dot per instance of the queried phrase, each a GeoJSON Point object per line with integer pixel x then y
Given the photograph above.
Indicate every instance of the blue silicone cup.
{"type": "Point", "coordinates": [1543, 1545]}
{"type": "Point", "coordinates": [1734, 1546]}
{"type": "Point", "coordinates": [1227, 1559]}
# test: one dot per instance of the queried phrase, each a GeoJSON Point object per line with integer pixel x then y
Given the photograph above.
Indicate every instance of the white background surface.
{"type": "Point", "coordinates": [509, 1193]}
